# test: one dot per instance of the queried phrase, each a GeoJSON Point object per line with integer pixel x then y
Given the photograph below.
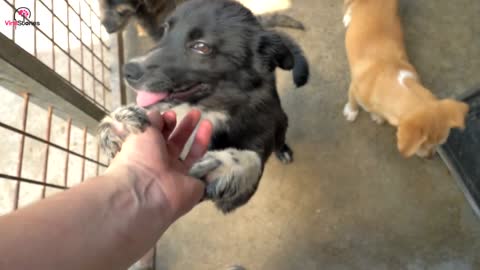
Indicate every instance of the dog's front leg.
{"type": "Point", "coordinates": [233, 179]}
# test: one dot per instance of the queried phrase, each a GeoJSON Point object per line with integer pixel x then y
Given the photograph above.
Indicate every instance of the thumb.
{"type": "Point", "coordinates": [156, 119]}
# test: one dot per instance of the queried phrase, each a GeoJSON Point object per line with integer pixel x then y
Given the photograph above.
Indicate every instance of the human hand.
{"type": "Point", "coordinates": [152, 159]}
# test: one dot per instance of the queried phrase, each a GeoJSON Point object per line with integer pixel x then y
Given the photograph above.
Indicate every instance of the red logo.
{"type": "Point", "coordinates": [23, 12]}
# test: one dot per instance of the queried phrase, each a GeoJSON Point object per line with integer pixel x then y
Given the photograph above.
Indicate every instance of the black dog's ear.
{"type": "Point", "coordinates": [273, 52]}
{"type": "Point", "coordinates": [278, 50]}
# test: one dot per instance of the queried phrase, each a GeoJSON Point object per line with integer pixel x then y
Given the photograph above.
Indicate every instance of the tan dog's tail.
{"type": "Point", "coordinates": [271, 20]}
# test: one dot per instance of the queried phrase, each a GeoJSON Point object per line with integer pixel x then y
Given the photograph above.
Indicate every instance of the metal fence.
{"type": "Point", "coordinates": [67, 37]}
{"type": "Point", "coordinates": [37, 165]}
{"type": "Point", "coordinates": [55, 84]}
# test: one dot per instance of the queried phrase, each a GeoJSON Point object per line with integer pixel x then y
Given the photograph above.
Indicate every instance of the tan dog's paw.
{"type": "Point", "coordinates": [349, 113]}
{"type": "Point", "coordinates": [377, 118]}
{"type": "Point", "coordinates": [347, 18]}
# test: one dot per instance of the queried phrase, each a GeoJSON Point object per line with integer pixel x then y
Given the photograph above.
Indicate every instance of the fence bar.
{"type": "Point", "coordinates": [26, 98]}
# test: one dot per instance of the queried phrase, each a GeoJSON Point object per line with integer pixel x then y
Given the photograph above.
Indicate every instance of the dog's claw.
{"type": "Point", "coordinates": [204, 166]}
{"type": "Point", "coordinates": [285, 154]}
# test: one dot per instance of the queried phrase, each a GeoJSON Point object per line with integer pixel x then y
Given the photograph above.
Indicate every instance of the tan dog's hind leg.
{"type": "Point", "coordinates": [350, 111]}
{"type": "Point", "coordinates": [377, 118]}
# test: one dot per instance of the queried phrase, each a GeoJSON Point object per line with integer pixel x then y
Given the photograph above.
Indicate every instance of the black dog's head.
{"type": "Point", "coordinates": [206, 42]}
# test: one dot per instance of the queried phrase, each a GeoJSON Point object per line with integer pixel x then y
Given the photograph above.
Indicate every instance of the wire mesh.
{"type": "Point", "coordinates": [43, 141]}
{"type": "Point", "coordinates": [67, 37]}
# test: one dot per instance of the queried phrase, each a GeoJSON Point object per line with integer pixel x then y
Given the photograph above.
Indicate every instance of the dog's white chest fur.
{"type": "Point", "coordinates": [217, 118]}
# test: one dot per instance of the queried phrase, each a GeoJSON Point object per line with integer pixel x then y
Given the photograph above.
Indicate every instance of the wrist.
{"type": "Point", "coordinates": [147, 196]}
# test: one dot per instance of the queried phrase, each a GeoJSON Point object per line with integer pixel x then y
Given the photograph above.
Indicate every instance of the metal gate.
{"type": "Point", "coordinates": [57, 80]}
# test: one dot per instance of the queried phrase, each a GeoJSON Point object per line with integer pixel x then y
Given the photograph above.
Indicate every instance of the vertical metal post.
{"type": "Point", "coordinates": [69, 127]}
{"type": "Point", "coordinates": [26, 99]}
{"type": "Point", "coordinates": [47, 149]}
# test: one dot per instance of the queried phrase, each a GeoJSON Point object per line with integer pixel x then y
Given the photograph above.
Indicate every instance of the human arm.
{"type": "Point", "coordinates": [111, 220]}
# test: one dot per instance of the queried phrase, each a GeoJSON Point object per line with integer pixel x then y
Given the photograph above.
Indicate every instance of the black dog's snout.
{"type": "Point", "coordinates": [110, 26]}
{"type": "Point", "coordinates": [133, 71]}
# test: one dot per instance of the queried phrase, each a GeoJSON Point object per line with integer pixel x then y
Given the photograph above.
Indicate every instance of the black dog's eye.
{"type": "Point", "coordinates": [201, 47]}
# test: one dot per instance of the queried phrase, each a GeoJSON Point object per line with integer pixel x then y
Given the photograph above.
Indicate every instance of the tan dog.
{"type": "Point", "coordinates": [385, 84]}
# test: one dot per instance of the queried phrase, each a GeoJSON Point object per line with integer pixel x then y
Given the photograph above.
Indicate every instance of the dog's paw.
{"type": "Point", "coordinates": [231, 176]}
{"type": "Point", "coordinates": [284, 154]}
{"type": "Point", "coordinates": [207, 164]}
{"type": "Point", "coordinates": [114, 128]}
{"type": "Point", "coordinates": [377, 118]}
{"type": "Point", "coordinates": [349, 113]}
{"type": "Point", "coordinates": [347, 18]}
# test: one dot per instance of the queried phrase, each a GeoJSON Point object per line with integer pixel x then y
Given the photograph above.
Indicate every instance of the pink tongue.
{"type": "Point", "coordinates": [145, 99]}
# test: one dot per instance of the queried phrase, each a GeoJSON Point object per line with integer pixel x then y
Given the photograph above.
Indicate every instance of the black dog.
{"type": "Point", "coordinates": [151, 13]}
{"type": "Point", "coordinates": [217, 57]}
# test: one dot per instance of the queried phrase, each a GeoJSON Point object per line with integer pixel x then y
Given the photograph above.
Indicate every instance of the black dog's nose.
{"type": "Point", "coordinates": [133, 71]}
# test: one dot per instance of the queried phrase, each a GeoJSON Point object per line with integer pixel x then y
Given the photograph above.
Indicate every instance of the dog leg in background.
{"type": "Point", "coordinates": [283, 152]}
{"type": "Point", "coordinates": [114, 128]}
{"type": "Point", "coordinates": [234, 178]}
{"type": "Point", "coordinates": [350, 111]}
{"type": "Point", "coordinates": [347, 18]}
{"type": "Point", "coordinates": [141, 32]}
{"type": "Point", "coordinates": [347, 13]}
{"type": "Point", "coordinates": [377, 118]}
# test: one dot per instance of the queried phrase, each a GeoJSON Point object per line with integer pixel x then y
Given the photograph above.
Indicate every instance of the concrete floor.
{"type": "Point", "coordinates": [349, 201]}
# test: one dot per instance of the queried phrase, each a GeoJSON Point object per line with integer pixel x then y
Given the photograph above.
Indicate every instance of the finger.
{"type": "Point", "coordinates": [170, 119]}
{"type": "Point", "coordinates": [156, 119]}
{"type": "Point", "coordinates": [180, 136]}
{"type": "Point", "coordinates": [200, 143]}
